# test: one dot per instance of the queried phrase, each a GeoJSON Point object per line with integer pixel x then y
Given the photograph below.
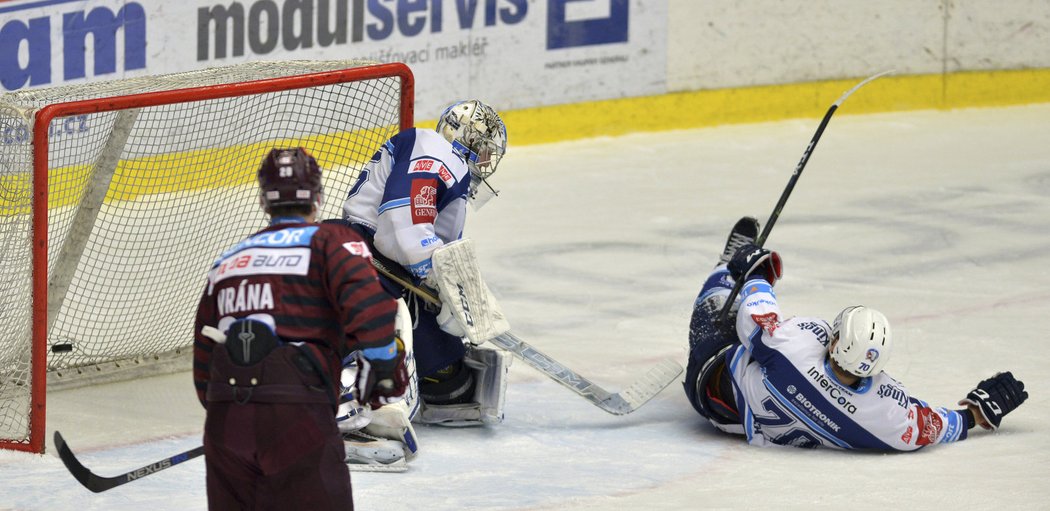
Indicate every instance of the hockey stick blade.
{"type": "Point", "coordinates": [622, 403]}
{"type": "Point", "coordinates": [98, 484]}
{"type": "Point", "coordinates": [633, 397]}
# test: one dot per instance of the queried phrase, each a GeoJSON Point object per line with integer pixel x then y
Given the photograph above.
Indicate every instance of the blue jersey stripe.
{"type": "Point", "coordinates": [396, 203]}
{"type": "Point", "coordinates": [754, 286]}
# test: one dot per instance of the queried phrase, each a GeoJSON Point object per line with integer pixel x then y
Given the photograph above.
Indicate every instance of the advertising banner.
{"type": "Point", "coordinates": [512, 53]}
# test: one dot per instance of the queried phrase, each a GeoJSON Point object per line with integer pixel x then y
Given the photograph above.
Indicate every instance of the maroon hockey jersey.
{"type": "Point", "coordinates": [312, 282]}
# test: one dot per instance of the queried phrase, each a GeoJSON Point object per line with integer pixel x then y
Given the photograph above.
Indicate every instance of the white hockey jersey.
{"type": "Point", "coordinates": [412, 197]}
{"type": "Point", "coordinates": [787, 393]}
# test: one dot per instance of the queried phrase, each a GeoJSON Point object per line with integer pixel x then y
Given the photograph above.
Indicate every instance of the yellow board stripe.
{"type": "Point", "coordinates": [559, 123]}
{"type": "Point", "coordinates": [707, 108]}
{"type": "Point", "coordinates": [185, 171]}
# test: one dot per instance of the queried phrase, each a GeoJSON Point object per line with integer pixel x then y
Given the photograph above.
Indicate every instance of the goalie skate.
{"type": "Point", "coordinates": [366, 453]}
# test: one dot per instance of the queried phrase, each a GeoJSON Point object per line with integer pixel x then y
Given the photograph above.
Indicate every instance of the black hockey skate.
{"type": "Point", "coordinates": [745, 231]}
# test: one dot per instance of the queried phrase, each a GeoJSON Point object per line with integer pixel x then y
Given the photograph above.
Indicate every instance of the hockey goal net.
{"type": "Point", "coordinates": [116, 196]}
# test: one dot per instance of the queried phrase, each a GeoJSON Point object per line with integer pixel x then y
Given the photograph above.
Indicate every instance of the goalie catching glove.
{"type": "Point", "coordinates": [382, 378]}
{"type": "Point", "coordinates": [996, 397]}
{"type": "Point", "coordinates": [752, 261]}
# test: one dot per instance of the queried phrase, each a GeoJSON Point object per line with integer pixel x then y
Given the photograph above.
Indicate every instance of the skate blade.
{"type": "Point", "coordinates": [358, 466]}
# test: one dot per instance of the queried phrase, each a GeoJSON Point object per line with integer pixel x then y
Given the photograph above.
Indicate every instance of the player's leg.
{"type": "Point", "coordinates": [272, 443]}
{"type": "Point", "coordinates": [300, 459]}
{"type": "Point", "coordinates": [439, 354]}
{"type": "Point", "coordinates": [719, 283]}
{"type": "Point", "coordinates": [462, 385]}
{"type": "Point", "coordinates": [708, 384]}
{"type": "Point", "coordinates": [230, 477]}
{"type": "Point", "coordinates": [472, 396]}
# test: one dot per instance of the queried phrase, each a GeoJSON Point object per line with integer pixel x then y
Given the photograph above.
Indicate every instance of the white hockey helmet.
{"type": "Point", "coordinates": [864, 341]}
{"type": "Point", "coordinates": [476, 133]}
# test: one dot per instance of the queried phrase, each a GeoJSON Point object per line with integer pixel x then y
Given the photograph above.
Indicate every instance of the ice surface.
{"type": "Point", "coordinates": [596, 250]}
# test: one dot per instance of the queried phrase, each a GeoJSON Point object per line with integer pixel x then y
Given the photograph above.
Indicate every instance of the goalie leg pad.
{"type": "Point", "coordinates": [708, 384]}
{"type": "Point", "coordinates": [403, 329]}
{"type": "Point", "coordinates": [392, 422]}
{"type": "Point", "coordinates": [489, 368]}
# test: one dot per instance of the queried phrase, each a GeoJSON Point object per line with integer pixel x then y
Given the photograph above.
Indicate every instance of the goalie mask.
{"type": "Point", "coordinates": [289, 177]}
{"type": "Point", "coordinates": [864, 341]}
{"type": "Point", "coordinates": [479, 136]}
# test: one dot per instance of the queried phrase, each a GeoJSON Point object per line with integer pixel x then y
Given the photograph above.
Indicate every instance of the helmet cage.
{"type": "Point", "coordinates": [477, 134]}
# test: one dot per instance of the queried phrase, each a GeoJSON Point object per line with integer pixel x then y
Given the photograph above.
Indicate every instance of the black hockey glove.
{"type": "Point", "coordinates": [752, 260]}
{"type": "Point", "coordinates": [382, 382]}
{"type": "Point", "coordinates": [996, 397]}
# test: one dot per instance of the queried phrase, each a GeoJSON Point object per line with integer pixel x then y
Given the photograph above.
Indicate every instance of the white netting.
{"type": "Point", "coordinates": [141, 201]}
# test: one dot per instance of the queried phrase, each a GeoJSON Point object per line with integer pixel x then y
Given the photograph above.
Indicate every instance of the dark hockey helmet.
{"type": "Point", "coordinates": [289, 177]}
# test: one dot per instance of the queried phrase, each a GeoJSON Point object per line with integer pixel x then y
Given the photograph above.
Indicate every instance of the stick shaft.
{"type": "Point", "coordinates": [761, 239]}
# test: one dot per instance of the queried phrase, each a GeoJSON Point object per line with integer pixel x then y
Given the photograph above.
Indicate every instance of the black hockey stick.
{"type": "Point", "coordinates": [761, 239]}
{"type": "Point", "coordinates": [98, 484]}
{"type": "Point", "coordinates": [621, 403]}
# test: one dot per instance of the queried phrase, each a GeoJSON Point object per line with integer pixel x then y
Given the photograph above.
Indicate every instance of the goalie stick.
{"type": "Point", "coordinates": [761, 239]}
{"type": "Point", "coordinates": [622, 403]}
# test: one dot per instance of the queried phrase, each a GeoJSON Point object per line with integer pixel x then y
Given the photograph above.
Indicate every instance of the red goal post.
{"type": "Point", "coordinates": [116, 196]}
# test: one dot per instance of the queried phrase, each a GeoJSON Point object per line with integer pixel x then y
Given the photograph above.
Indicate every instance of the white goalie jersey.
{"type": "Point", "coordinates": [412, 197]}
{"type": "Point", "coordinates": [787, 393]}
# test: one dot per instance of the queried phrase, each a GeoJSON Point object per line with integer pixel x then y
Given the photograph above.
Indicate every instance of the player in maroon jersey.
{"type": "Point", "coordinates": [278, 313]}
